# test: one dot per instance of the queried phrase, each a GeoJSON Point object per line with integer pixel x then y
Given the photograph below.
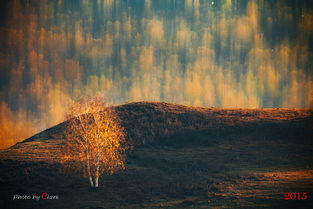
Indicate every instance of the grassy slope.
{"type": "Point", "coordinates": [184, 157]}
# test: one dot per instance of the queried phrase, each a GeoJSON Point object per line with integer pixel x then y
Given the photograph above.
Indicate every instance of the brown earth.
{"type": "Point", "coordinates": [183, 157]}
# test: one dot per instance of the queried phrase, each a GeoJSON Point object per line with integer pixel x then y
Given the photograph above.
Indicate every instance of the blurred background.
{"type": "Point", "coordinates": [227, 53]}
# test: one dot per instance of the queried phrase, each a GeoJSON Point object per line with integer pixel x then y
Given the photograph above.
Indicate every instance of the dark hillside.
{"type": "Point", "coordinates": [184, 157]}
{"type": "Point", "coordinates": [155, 122]}
{"type": "Point", "coordinates": [147, 122]}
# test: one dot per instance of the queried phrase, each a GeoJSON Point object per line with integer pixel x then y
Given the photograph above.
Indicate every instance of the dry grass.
{"type": "Point", "coordinates": [148, 122]}
{"type": "Point", "coordinates": [266, 185]}
{"type": "Point", "coordinates": [184, 157]}
{"type": "Point", "coordinates": [262, 190]}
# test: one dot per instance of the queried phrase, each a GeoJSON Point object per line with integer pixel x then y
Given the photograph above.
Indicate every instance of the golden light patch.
{"type": "Point", "coordinates": [146, 58]}
{"type": "Point", "coordinates": [14, 126]}
{"type": "Point", "coordinates": [243, 30]}
{"type": "Point", "coordinates": [156, 30]}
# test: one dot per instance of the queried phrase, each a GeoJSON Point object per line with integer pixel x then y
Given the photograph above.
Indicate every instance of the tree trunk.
{"type": "Point", "coordinates": [97, 177]}
{"type": "Point", "coordinates": [97, 171]}
{"type": "Point", "coordinates": [96, 181]}
{"type": "Point", "coordinates": [88, 170]}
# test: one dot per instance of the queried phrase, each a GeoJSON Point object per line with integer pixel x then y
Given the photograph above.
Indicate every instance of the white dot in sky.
{"type": "Point", "coordinates": [212, 2]}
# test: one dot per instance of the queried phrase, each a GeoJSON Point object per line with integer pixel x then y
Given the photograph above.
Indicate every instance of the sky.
{"type": "Point", "coordinates": [227, 53]}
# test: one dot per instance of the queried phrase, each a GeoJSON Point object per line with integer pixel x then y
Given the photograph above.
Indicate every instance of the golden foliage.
{"type": "Point", "coordinates": [95, 140]}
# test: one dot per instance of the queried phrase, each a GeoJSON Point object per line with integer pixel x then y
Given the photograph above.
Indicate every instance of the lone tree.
{"type": "Point", "coordinates": [95, 141]}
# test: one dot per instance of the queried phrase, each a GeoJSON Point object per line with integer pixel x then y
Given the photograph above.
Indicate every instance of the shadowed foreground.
{"type": "Point", "coordinates": [183, 157]}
